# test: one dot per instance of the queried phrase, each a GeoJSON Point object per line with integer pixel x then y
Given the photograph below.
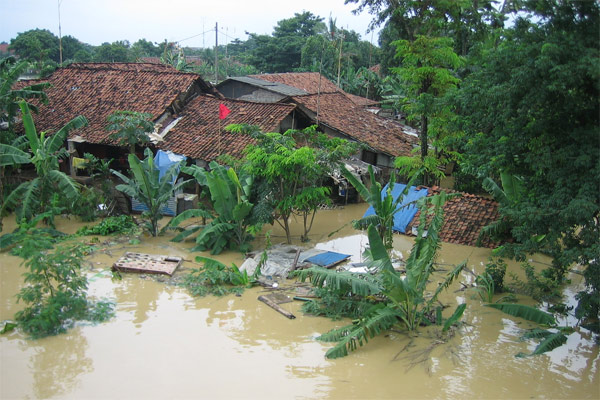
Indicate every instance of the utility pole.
{"type": "Point", "coordinates": [59, 35]}
{"type": "Point", "coordinates": [216, 53]}
{"type": "Point", "coordinates": [340, 60]}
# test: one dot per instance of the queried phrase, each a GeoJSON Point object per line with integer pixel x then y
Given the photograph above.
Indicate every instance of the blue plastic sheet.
{"type": "Point", "coordinates": [403, 217]}
{"type": "Point", "coordinates": [327, 258]}
{"type": "Point", "coordinates": [164, 160]}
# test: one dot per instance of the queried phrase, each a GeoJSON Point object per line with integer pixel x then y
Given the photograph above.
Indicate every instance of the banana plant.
{"type": "Point", "coordinates": [35, 196]}
{"type": "Point", "coordinates": [146, 186]}
{"type": "Point", "coordinates": [383, 203]}
{"type": "Point", "coordinates": [507, 195]}
{"type": "Point", "coordinates": [405, 299]}
{"type": "Point", "coordinates": [230, 202]}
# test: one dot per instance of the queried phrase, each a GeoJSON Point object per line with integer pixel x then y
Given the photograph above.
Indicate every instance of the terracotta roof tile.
{"type": "Point", "coordinates": [310, 82]}
{"type": "Point", "coordinates": [197, 134]}
{"type": "Point", "coordinates": [464, 217]}
{"type": "Point", "coordinates": [95, 90]}
{"type": "Point", "coordinates": [340, 113]}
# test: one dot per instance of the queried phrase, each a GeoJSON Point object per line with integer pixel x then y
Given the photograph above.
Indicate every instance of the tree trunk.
{"type": "Point", "coordinates": [424, 145]}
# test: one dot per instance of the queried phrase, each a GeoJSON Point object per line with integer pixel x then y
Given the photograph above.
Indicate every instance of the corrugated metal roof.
{"type": "Point", "coordinates": [281, 88]}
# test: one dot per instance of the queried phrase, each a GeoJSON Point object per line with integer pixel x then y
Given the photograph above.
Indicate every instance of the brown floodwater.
{"type": "Point", "coordinates": [164, 343]}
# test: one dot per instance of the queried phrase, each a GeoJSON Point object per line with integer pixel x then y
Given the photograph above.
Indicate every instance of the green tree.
{"type": "Point", "coordinates": [531, 110]}
{"type": "Point", "coordinates": [148, 188]}
{"type": "Point", "coordinates": [383, 203]}
{"type": "Point", "coordinates": [282, 52]}
{"type": "Point", "coordinates": [294, 174]}
{"type": "Point", "coordinates": [145, 48]}
{"type": "Point", "coordinates": [427, 68]}
{"type": "Point", "coordinates": [70, 47]}
{"type": "Point", "coordinates": [36, 196]}
{"type": "Point", "coordinates": [36, 45]}
{"type": "Point", "coordinates": [130, 128]}
{"type": "Point", "coordinates": [113, 52]}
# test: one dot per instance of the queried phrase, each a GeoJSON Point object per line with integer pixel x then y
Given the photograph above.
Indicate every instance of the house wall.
{"type": "Point", "coordinates": [243, 91]}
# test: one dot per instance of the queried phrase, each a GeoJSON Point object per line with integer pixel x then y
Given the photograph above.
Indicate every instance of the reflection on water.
{"type": "Point", "coordinates": [164, 343]}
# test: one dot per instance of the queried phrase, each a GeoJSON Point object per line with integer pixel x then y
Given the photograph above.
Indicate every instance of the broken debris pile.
{"type": "Point", "coordinates": [283, 259]}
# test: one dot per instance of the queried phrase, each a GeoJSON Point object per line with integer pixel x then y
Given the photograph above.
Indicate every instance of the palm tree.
{"type": "Point", "coordinates": [33, 197]}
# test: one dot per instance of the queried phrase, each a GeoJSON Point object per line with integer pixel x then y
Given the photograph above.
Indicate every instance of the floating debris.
{"type": "Point", "coordinates": [147, 263]}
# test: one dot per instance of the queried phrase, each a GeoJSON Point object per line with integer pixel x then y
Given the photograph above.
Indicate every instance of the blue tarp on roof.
{"type": "Point", "coordinates": [405, 215]}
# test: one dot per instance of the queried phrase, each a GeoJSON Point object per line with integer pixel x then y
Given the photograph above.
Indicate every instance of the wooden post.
{"type": "Point", "coordinates": [276, 307]}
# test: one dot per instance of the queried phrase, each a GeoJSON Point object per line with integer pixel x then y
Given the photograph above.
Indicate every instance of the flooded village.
{"type": "Point", "coordinates": [305, 214]}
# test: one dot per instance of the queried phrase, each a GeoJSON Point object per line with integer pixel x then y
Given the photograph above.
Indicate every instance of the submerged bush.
{"type": "Point", "coordinates": [110, 225]}
{"type": "Point", "coordinates": [56, 293]}
{"type": "Point", "coordinates": [216, 278]}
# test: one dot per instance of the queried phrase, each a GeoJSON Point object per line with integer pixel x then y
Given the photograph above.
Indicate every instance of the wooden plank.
{"type": "Point", "coordinates": [276, 307]}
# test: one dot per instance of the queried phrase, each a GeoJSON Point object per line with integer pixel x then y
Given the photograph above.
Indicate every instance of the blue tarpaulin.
{"type": "Point", "coordinates": [164, 160]}
{"type": "Point", "coordinates": [406, 214]}
{"type": "Point", "coordinates": [327, 259]}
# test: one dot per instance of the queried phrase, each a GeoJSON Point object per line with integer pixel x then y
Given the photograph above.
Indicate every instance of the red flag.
{"type": "Point", "coordinates": [223, 111]}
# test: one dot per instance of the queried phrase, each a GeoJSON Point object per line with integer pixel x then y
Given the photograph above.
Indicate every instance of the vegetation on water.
{"type": "Point", "coordinates": [514, 106]}
{"type": "Point", "coordinates": [55, 290]}
{"type": "Point", "coordinates": [395, 300]}
{"type": "Point", "coordinates": [216, 278]}
{"type": "Point", "coordinates": [290, 170]}
{"type": "Point", "coordinates": [121, 224]}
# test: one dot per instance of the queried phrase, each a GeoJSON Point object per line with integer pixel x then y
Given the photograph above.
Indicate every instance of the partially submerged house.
{"type": "Point", "coordinates": [337, 115]}
{"type": "Point", "coordinates": [336, 112]}
{"type": "Point", "coordinates": [464, 217]}
{"type": "Point", "coordinates": [200, 134]}
{"type": "Point", "coordinates": [95, 90]}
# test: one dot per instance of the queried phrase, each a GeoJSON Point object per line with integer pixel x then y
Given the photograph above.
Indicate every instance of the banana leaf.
{"type": "Point", "coordinates": [526, 312]}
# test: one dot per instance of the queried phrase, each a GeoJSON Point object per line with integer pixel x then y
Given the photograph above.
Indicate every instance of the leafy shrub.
{"type": "Point", "coordinates": [20, 240]}
{"type": "Point", "coordinates": [336, 304]}
{"type": "Point", "coordinates": [56, 293]}
{"type": "Point", "coordinates": [216, 278]}
{"type": "Point", "coordinates": [86, 206]}
{"type": "Point", "coordinates": [541, 286]}
{"type": "Point", "coordinates": [496, 269]}
{"type": "Point", "coordinates": [111, 225]}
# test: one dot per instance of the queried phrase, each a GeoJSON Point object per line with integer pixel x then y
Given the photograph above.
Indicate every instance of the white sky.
{"type": "Point", "coordinates": [98, 21]}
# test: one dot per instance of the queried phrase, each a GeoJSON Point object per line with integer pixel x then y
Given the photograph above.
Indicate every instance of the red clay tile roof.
{"type": "Point", "coordinates": [464, 217]}
{"type": "Point", "coordinates": [95, 90]}
{"type": "Point", "coordinates": [309, 82]}
{"type": "Point", "coordinates": [340, 113]}
{"type": "Point", "coordinates": [197, 134]}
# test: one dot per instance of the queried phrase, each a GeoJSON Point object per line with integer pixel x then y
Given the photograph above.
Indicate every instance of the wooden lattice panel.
{"type": "Point", "coordinates": [147, 263]}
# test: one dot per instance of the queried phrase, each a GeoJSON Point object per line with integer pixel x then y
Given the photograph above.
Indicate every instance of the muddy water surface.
{"type": "Point", "coordinates": [163, 343]}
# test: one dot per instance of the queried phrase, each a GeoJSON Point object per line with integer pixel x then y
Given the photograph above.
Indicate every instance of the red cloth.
{"type": "Point", "coordinates": [223, 111]}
